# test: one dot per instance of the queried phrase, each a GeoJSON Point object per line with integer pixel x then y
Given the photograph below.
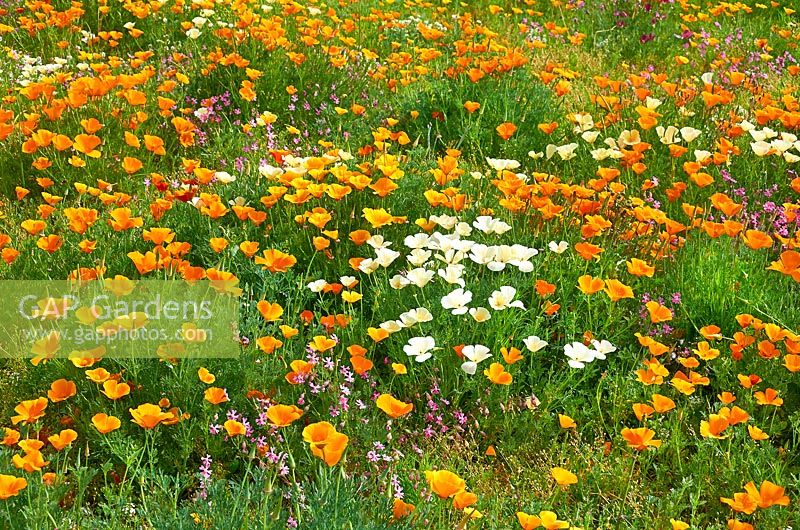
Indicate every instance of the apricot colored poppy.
{"type": "Point", "coordinates": [394, 408]}
{"type": "Point", "coordinates": [283, 415]}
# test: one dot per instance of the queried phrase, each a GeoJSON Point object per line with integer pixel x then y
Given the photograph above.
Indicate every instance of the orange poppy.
{"type": "Point", "coordinates": [589, 285]}
{"type": "Point", "coordinates": [205, 376]}
{"type": "Point", "coordinates": [506, 130]}
{"type": "Point", "coordinates": [393, 407]}
{"type": "Point", "coordinates": [325, 442]}
{"type": "Point", "coordinates": [63, 439]}
{"type": "Point", "coordinates": [216, 395]}
{"type": "Point", "coordinates": [234, 428]}
{"type": "Point", "coordinates": [445, 484]}
{"type": "Point", "coordinates": [640, 438]}
{"type": "Point", "coordinates": [564, 477]}
{"type": "Point", "coordinates": [472, 106]}
{"type": "Point", "coordinates": [10, 486]}
{"type": "Point", "coordinates": [60, 390]}
{"type": "Point", "coordinates": [658, 312]}
{"type": "Point", "coordinates": [400, 509]}
{"type": "Point", "coordinates": [511, 355]}
{"type": "Point", "coordinates": [105, 423]}
{"type": "Point", "coordinates": [565, 422]}
{"type": "Point", "coordinates": [638, 267]}
{"type": "Point", "coordinates": [148, 416]}
{"type": "Point", "coordinates": [616, 290]}
{"type": "Point", "coordinates": [275, 261]}
{"type": "Point", "coordinates": [588, 251]}
{"type": "Point", "coordinates": [269, 311]}
{"type": "Point", "coordinates": [283, 415]}
{"type": "Point", "coordinates": [498, 375]}
{"type": "Point", "coordinates": [115, 390]}
{"type": "Point", "coordinates": [29, 411]}
{"type": "Point", "coordinates": [768, 397]}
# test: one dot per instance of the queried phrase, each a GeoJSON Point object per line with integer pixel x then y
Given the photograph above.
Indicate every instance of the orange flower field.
{"type": "Point", "coordinates": [368, 264]}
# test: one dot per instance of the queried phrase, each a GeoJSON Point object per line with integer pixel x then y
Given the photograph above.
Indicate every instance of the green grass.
{"type": "Point", "coordinates": [132, 478]}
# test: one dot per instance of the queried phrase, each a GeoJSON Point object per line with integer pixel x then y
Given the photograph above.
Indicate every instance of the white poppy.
{"type": "Point", "coordinates": [452, 274]}
{"type": "Point", "coordinates": [504, 298]}
{"type": "Point", "coordinates": [579, 354]}
{"type": "Point", "coordinates": [418, 256]}
{"type": "Point", "coordinates": [602, 348]}
{"type": "Point", "coordinates": [457, 301]}
{"type": "Point", "coordinates": [317, 286]}
{"type": "Point", "coordinates": [420, 348]}
{"type": "Point", "coordinates": [474, 353]}
{"type": "Point", "coordinates": [420, 277]}
{"type": "Point", "coordinates": [534, 343]}
{"type": "Point", "coordinates": [480, 314]}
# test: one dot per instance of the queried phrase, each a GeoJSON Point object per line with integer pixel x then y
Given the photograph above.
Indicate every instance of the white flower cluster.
{"type": "Point", "coordinates": [580, 354]}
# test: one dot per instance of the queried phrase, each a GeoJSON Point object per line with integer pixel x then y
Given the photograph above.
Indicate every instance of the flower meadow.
{"type": "Point", "coordinates": [529, 264]}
